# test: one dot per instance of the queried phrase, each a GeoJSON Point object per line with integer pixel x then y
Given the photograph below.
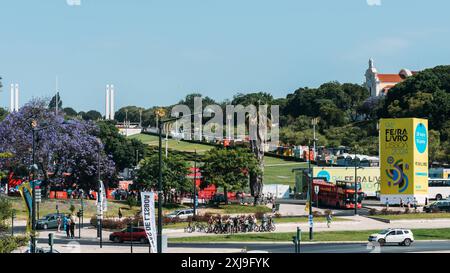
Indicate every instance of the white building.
{"type": "Point", "coordinates": [379, 84]}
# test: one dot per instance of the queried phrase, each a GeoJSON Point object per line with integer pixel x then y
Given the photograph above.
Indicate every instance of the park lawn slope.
{"type": "Point", "coordinates": [326, 236]}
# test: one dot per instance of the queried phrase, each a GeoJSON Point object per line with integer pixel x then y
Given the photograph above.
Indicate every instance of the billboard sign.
{"type": "Point", "coordinates": [404, 159]}
{"type": "Point", "coordinates": [369, 177]}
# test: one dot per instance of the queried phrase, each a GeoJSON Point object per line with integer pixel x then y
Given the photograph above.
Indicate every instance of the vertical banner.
{"type": "Point", "coordinates": [148, 218]}
{"type": "Point", "coordinates": [404, 160]}
{"type": "Point", "coordinates": [102, 205]}
{"type": "Point", "coordinates": [27, 195]}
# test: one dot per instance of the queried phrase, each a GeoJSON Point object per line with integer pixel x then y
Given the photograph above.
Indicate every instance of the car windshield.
{"type": "Point", "coordinates": [384, 231]}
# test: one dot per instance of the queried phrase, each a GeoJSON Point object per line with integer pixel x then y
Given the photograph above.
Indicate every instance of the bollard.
{"type": "Point", "coordinates": [299, 239]}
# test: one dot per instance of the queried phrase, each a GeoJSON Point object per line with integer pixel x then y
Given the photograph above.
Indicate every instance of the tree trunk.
{"type": "Point", "coordinates": [257, 142]}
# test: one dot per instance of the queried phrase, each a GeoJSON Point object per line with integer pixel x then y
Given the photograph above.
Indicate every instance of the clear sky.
{"type": "Point", "coordinates": [157, 51]}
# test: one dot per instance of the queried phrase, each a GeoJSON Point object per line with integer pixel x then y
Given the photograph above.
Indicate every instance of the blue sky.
{"type": "Point", "coordinates": [155, 52]}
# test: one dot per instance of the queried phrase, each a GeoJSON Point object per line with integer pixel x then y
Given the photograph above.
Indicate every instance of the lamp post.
{"type": "Point", "coordinates": [356, 183]}
{"type": "Point", "coordinates": [310, 189]}
{"type": "Point", "coordinates": [195, 184]}
{"type": "Point", "coordinates": [160, 113]}
{"type": "Point", "coordinates": [99, 197]}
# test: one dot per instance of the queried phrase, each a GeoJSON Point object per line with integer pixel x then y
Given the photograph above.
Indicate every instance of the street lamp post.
{"type": "Point", "coordinates": [160, 113]}
{"type": "Point", "coordinates": [33, 206]}
{"type": "Point", "coordinates": [99, 209]}
{"type": "Point", "coordinates": [310, 189]}
{"type": "Point", "coordinates": [160, 126]}
{"type": "Point", "coordinates": [356, 184]}
{"type": "Point", "coordinates": [195, 184]}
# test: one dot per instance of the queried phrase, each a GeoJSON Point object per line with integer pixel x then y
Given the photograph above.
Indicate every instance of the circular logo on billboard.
{"type": "Point", "coordinates": [390, 160]}
{"type": "Point", "coordinates": [324, 174]}
{"type": "Point", "coordinates": [421, 138]}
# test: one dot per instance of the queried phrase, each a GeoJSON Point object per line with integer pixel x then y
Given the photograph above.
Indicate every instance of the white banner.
{"type": "Point", "coordinates": [102, 205]}
{"type": "Point", "coordinates": [148, 217]}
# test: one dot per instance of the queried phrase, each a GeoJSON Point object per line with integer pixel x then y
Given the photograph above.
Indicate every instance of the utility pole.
{"type": "Point", "coordinates": [310, 189]}
{"type": "Point", "coordinates": [195, 184]}
{"type": "Point", "coordinates": [356, 185]}
{"type": "Point", "coordinates": [159, 237]}
{"type": "Point", "coordinates": [33, 184]}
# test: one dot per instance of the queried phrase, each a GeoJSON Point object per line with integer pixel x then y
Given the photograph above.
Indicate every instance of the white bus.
{"type": "Point", "coordinates": [438, 188]}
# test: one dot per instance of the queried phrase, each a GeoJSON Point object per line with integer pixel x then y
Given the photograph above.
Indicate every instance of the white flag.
{"type": "Point", "coordinates": [148, 218]}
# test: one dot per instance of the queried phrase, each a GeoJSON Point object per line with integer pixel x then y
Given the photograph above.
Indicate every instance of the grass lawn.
{"type": "Point", "coordinates": [415, 216]}
{"type": "Point", "coordinates": [332, 236]}
{"type": "Point", "coordinates": [173, 144]}
{"type": "Point", "coordinates": [277, 171]}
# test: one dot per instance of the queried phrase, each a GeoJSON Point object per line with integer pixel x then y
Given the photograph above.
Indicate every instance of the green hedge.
{"type": "Point", "coordinates": [8, 243]}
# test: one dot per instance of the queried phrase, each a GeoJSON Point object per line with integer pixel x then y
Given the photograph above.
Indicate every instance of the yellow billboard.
{"type": "Point", "coordinates": [368, 176]}
{"type": "Point", "coordinates": [404, 159]}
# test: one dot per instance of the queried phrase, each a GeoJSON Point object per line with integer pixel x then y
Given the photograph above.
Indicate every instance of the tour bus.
{"type": "Point", "coordinates": [438, 188]}
{"type": "Point", "coordinates": [340, 195]}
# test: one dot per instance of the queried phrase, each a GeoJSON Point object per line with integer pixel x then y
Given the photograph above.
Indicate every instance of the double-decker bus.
{"type": "Point", "coordinates": [339, 195]}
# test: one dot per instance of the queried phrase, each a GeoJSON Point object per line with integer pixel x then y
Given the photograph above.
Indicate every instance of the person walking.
{"type": "Point", "coordinates": [59, 221]}
{"type": "Point", "coordinates": [67, 226]}
{"type": "Point", "coordinates": [120, 213]}
{"type": "Point", "coordinates": [329, 219]}
{"type": "Point", "coordinates": [72, 227]}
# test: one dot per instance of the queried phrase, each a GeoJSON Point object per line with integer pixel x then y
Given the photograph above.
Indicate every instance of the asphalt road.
{"type": "Point", "coordinates": [329, 247]}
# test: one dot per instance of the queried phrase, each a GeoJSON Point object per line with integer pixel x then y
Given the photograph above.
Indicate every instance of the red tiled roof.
{"type": "Point", "coordinates": [389, 78]}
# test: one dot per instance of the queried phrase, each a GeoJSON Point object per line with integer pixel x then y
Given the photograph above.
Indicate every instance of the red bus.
{"type": "Point", "coordinates": [339, 195]}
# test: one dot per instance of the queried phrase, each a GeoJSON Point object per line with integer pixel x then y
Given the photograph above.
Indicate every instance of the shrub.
{"type": "Point", "coordinates": [72, 208]}
{"type": "Point", "coordinates": [114, 223]}
{"type": "Point", "coordinates": [373, 212]}
{"type": "Point", "coordinates": [132, 202]}
{"type": "Point", "coordinates": [8, 243]}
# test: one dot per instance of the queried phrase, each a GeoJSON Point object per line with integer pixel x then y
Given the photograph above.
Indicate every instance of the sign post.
{"type": "Point", "coordinates": [316, 191]}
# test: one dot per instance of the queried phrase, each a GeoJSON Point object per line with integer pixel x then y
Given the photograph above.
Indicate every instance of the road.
{"type": "Point", "coordinates": [437, 246]}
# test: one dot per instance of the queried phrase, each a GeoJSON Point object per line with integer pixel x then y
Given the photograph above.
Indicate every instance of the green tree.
{"type": "Point", "coordinates": [174, 176]}
{"type": "Point", "coordinates": [122, 149]}
{"type": "Point", "coordinates": [230, 169]}
{"type": "Point", "coordinates": [92, 115]}
{"type": "Point", "coordinates": [52, 103]}
{"type": "Point", "coordinates": [70, 112]}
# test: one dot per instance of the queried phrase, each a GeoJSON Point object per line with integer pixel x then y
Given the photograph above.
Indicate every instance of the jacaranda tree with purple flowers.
{"type": "Point", "coordinates": [63, 147]}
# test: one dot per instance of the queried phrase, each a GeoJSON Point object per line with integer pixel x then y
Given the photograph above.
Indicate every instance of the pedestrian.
{"type": "Point", "coordinates": [329, 219]}
{"type": "Point", "coordinates": [72, 227]}
{"type": "Point", "coordinates": [59, 223]}
{"type": "Point", "coordinates": [401, 202]}
{"type": "Point", "coordinates": [415, 203]}
{"type": "Point", "coordinates": [120, 213]}
{"type": "Point", "coordinates": [67, 226]}
{"type": "Point", "coordinates": [274, 208]}
{"type": "Point", "coordinates": [387, 203]}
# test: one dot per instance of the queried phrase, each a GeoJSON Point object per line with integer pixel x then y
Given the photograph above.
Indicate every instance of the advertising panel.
{"type": "Point", "coordinates": [369, 177]}
{"type": "Point", "coordinates": [404, 160]}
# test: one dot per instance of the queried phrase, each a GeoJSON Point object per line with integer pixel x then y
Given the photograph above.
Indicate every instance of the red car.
{"type": "Point", "coordinates": [136, 234]}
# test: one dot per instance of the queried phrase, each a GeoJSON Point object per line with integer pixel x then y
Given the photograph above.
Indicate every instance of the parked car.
{"type": "Point", "coordinates": [50, 221]}
{"type": "Point", "coordinates": [182, 214]}
{"type": "Point", "coordinates": [398, 236]}
{"type": "Point", "coordinates": [129, 234]}
{"type": "Point", "coordinates": [441, 205]}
